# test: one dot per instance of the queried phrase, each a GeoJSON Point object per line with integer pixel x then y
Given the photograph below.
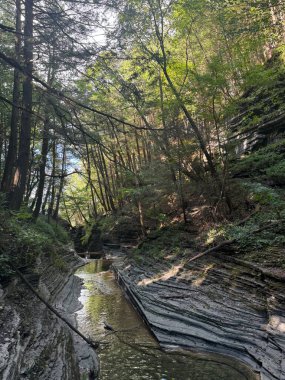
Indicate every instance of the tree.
{"type": "Point", "coordinates": [22, 165]}
{"type": "Point", "coordinates": [11, 157]}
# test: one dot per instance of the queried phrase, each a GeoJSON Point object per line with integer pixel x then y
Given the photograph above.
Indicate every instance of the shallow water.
{"type": "Point", "coordinates": [132, 353]}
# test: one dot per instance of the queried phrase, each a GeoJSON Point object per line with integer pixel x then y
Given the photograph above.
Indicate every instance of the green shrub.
{"type": "Point", "coordinates": [45, 227]}
{"type": "Point", "coordinates": [5, 269]}
{"type": "Point", "coordinates": [261, 161]}
{"type": "Point", "coordinates": [52, 229]}
{"type": "Point", "coordinates": [88, 231]}
{"type": "Point", "coordinates": [247, 240]}
{"type": "Point", "coordinates": [272, 207]}
{"type": "Point", "coordinates": [261, 194]}
{"type": "Point", "coordinates": [22, 239]}
{"type": "Point", "coordinates": [57, 260]}
{"type": "Point", "coordinates": [165, 241]}
{"type": "Point", "coordinates": [61, 234]}
{"type": "Point", "coordinates": [276, 173]}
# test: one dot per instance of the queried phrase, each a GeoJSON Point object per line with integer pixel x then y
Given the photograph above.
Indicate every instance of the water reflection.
{"type": "Point", "coordinates": [132, 353]}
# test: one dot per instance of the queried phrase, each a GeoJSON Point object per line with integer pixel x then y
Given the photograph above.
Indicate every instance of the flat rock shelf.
{"type": "Point", "coordinates": [213, 305]}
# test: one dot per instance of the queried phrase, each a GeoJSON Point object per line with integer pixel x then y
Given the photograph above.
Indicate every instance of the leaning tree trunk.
{"type": "Point", "coordinates": [22, 166]}
{"type": "Point", "coordinates": [89, 173]}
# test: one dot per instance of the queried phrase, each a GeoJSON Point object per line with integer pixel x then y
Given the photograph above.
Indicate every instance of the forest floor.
{"type": "Point", "coordinates": [256, 238]}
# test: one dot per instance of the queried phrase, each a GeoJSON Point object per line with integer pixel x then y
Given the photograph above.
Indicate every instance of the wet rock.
{"type": "Point", "coordinates": [213, 305]}
{"type": "Point", "coordinates": [95, 242]}
{"type": "Point", "coordinates": [34, 343]}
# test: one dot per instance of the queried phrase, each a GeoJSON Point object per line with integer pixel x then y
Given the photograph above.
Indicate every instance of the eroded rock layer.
{"type": "Point", "coordinates": [35, 344]}
{"type": "Point", "coordinates": [215, 304]}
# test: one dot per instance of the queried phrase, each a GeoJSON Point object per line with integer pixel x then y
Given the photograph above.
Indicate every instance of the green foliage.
{"type": "Point", "coordinates": [106, 223]}
{"type": "Point", "coordinates": [128, 192]}
{"type": "Point", "coordinates": [31, 240]}
{"type": "Point", "coordinates": [22, 239]}
{"type": "Point", "coordinates": [213, 55]}
{"type": "Point", "coordinates": [247, 241]}
{"type": "Point", "coordinates": [52, 229]}
{"type": "Point", "coordinates": [22, 215]}
{"type": "Point", "coordinates": [272, 208]}
{"type": "Point", "coordinates": [58, 261]}
{"type": "Point", "coordinates": [214, 234]}
{"type": "Point", "coordinates": [88, 228]}
{"type": "Point", "coordinates": [245, 238]}
{"type": "Point", "coordinates": [261, 194]}
{"type": "Point", "coordinates": [261, 75]}
{"type": "Point", "coordinates": [5, 269]}
{"type": "Point", "coordinates": [276, 173]}
{"type": "Point", "coordinates": [265, 161]}
{"type": "Point", "coordinates": [45, 228]}
{"type": "Point", "coordinates": [167, 241]}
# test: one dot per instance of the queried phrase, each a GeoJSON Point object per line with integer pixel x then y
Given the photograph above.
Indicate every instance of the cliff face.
{"type": "Point", "coordinates": [34, 343]}
{"type": "Point", "coordinates": [215, 305]}
{"type": "Point", "coordinates": [260, 114]}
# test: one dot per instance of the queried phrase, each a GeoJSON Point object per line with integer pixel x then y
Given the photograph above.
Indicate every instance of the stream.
{"type": "Point", "coordinates": [133, 353]}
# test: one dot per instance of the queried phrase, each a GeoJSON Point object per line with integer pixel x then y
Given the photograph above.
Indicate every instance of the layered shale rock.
{"type": "Point", "coordinates": [34, 343]}
{"type": "Point", "coordinates": [215, 305]}
{"type": "Point", "coordinates": [260, 113]}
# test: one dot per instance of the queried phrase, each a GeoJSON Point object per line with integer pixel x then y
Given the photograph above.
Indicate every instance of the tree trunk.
{"type": "Point", "coordinates": [31, 176]}
{"type": "Point", "coordinates": [105, 176]}
{"type": "Point", "coordinates": [13, 138]}
{"type": "Point", "coordinates": [95, 163]}
{"type": "Point", "coordinates": [44, 152]}
{"type": "Point", "coordinates": [20, 176]}
{"type": "Point", "coordinates": [61, 184]}
{"type": "Point", "coordinates": [89, 173]}
{"type": "Point", "coordinates": [46, 196]}
{"type": "Point", "coordinates": [52, 198]}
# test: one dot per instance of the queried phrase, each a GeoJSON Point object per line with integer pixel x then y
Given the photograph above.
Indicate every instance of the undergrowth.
{"type": "Point", "coordinates": [170, 241]}
{"type": "Point", "coordinates": [23, 239]}
{"type": "Point", "coordinates": [270, 219]}
{"type": "Point", "coordinates": [265, 246]}
{"type": "Point", "coordinates": [267, 164]}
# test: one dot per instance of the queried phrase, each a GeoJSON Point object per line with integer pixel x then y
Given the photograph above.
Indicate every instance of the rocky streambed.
{"type": "Point", "coordinates": [213, 305]}
{"type": "Point", "coordinates": [34, 343]}
{"type": "Point", "coordinates": [218, 304]}
{"type": "Point", "coordinates": [129, 352]}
